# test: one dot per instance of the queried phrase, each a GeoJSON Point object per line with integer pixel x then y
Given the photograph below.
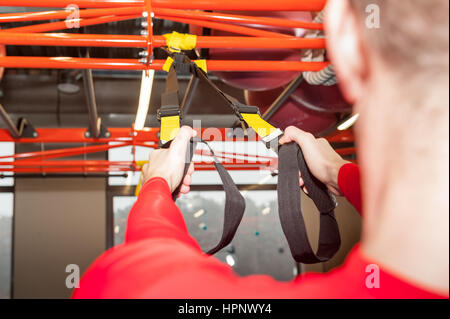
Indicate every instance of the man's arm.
{"type": "Point", "coordinates": [350, 185]}
{"type": "Point", "coordinates": [155, 215]}
{"type": "Point", "coordinates": [340, 176]}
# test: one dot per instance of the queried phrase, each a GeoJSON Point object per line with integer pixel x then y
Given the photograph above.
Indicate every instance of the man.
{"type": "Point", "coordinates": [397, 78]}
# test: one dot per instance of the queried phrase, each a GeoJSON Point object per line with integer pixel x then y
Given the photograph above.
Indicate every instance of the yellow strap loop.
{"type": "Point", "coordinates": [200, 63]}
{"type": "Point", "coordinates": [180, 41]}
{"type": "Point", "coordinates": [168, 64]}
{"type": "Point", "coordinates": [170, 125]}
{"type": "Point", "coordinates": [261, 127]}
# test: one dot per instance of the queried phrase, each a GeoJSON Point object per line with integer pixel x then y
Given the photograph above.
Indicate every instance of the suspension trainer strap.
{"type": "Point", "coordinates": [290, 162]}
{"type": "Point", "coordinates": [249, 114]}
{"type": "Point", "coordinates": [170, 113]}
{"type": "Point", "coordinates": [234, 205]}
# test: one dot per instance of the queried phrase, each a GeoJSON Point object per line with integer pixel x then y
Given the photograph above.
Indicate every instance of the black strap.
{"type": "Point", "coordinates": [290, 162]}
{"type": "Point", "coordinates": [234, 205]}
{"type": "Point", "coordinates": [232, 102]}
{"type": "Point", "coordinates": [234, 201]}
{"type": "Point", "coordinates": [170, 101]}
{"type": "Point", "coordinates": [170, 106]}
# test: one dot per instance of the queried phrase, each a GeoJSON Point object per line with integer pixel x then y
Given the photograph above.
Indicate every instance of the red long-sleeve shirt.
{"type": "Point", "coordinates": [159, 259]}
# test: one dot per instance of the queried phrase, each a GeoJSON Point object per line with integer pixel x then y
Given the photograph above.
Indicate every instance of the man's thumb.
{"type": "Point", "coordinates": [179, 144]}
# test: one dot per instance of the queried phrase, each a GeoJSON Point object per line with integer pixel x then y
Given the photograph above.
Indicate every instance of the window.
{"type": "Point", "coordinates": [6, 148]}
{"type": "Point", "coordinates": [6, 217]}
{"type": "Point", "coordinates": [6, 221]}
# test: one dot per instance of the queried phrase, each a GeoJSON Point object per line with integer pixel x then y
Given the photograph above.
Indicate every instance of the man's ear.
{"type": "Point", "coordinates": [345, 48]}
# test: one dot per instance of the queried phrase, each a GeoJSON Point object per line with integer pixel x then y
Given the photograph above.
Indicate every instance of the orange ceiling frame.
{"type": "Point", "coordinates": [105, 11]}
{"type": "Point", "coordinates": [111, 10]}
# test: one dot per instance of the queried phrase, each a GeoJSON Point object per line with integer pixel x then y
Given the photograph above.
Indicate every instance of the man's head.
{"type": "Point", "coordinates": [392, 61]}
{"type": "Point", "coordinates": [404, 40]}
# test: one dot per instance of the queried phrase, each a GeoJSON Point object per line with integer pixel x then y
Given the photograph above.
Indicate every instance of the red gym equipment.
{"type": "Point", "coordinates": [253, 45]}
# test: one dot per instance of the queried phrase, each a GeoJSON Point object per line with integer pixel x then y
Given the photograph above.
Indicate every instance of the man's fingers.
{"type": "Point", "coordinates": [179, 144]}
{"type": "Point", "coordinates": [185, 189]}
{"type": "Point", "coordinates": [187, 180]}
{"type": "Point", "coordinates": [191, 169]}
{"type": "Point", "coordinates": [302, 138]}
{"type": "Point", "coordinates": [301, 182]}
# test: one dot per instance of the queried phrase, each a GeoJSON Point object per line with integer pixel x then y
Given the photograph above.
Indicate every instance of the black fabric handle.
{"type": "Point", "coordinates": [234, 205]}
{"type": "Point", "coordinates": [234, 201]}
{"type": "Point", "coordinates": [290, 162]}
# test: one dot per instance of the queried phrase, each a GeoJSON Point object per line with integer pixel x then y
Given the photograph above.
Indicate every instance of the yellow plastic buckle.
{"type": "Point", "coordinates": [264, 130]}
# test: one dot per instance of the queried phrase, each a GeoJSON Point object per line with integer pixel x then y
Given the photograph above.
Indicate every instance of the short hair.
{"type": "Point", "coordinates": [412, 33]}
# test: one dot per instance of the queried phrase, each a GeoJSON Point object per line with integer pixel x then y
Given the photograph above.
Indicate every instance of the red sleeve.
{"type": "Point", "coordinates": [159, 259]}
{"type": "Point", "coordinates": [349, 184]}
{"type": "Point", "coordinates": [155, 215]}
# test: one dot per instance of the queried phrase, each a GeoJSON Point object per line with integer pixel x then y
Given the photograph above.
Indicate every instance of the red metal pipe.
{"type": "Point", "coordinates": [75, 63]}
{"type": "Point", "coordinates": [242, 19]}
{"type": "Point", "coordinates": [200, 15]}
{"type": "Point", "coordinates": [63, 14]}
{"type": "Point", "coordinates": [67, 163]}
{"type": "Point", "coordinates": [149, 12]}
{"type": "Point", "coordinates": [135, 41]}
{"type": "Point", "coordinates": [261, 43]}
{"type": "Point", "coordinates": [230, 65]}
{"type": "Point", "coordinates": [148, 137]}
{"type": "Point", "coordinates": [94, 169]}
{"type": "Point", "coordinates": [64, 152]}
{"type": "Point", "coordinates": [134, 64]}
{"type": "Point", "coordinates": [347, 136]}
{"type": "Point", "coordinates": [71, 39]}
{"type": "Point", "coordinates": [80, 169]}
{"type": "Point", "coordinates": [229, 5]}
{"type": "Point", "coordinates": [62, 25]}
{"type": "Point", "coordinates": [346, 151]}
{"type": "Point", "coordinates": [227, 27]}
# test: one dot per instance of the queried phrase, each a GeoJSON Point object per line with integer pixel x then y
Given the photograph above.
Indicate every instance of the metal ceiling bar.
{"type": "Point", "coordinates": [67, 163]}
{"type": "Point", "coordinates": [135, 64]}
{"type": "Point", "coordinates": [9, 123]}
{"type": "Point", "coordinates": [135, 41]}
{"type": "Point", "coordinates": [62, 25]}
{"type": "Point", "coordinates": [147, 137]}
{"type": "Point", "coordinates": [63, 14]}
{"type": "Point", "coordinates": [279, 102]}
{"type": "Point", "coordinates": [241, 19]}
{"type": "Point", "coordinates": [91, 102]}
{"type": "Point", "coordinates": [227, 27]}
{"type": "Point", "coordinates": [65, 152]}
{"type": "Point", "coordinates": [260, 5]}
{"type": "Point", "coordinates": [200, 15]}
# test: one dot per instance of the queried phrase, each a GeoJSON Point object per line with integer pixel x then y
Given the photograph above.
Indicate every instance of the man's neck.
{"type": "Point", "coordinates": [406, 202]}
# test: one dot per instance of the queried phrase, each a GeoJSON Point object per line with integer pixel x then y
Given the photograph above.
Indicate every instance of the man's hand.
{"type": "Point", "coordinates": [323, 162]}
{"type": "Point", "coordinates": [169, 163]}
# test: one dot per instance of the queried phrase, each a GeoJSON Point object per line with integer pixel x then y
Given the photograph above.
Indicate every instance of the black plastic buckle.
{"type": "Point", "coordinates": [169, 111]}
{"type": "Point", "coordinates": [240, 108]}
